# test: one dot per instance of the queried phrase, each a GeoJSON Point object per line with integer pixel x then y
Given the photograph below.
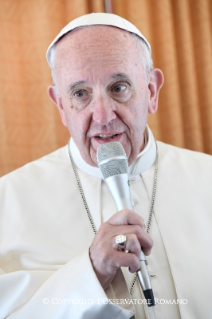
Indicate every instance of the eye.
{"type": "Point", "coordinates": [80, 94]}
{"type": "Point", "coordinates": [118, 88]}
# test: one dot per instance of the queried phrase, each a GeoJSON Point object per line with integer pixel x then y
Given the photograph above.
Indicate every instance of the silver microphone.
{"type": "Point", "coordinates": [113, 163]}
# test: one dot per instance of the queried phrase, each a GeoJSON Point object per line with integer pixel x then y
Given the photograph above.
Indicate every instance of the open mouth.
{"type": "Point", "coordinates": [102, 138]}
{"type": "Point", "coordinates": [106, 137]}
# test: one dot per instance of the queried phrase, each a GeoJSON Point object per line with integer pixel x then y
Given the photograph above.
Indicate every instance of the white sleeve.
{"type": "Point", "coordinates": [73, 291]}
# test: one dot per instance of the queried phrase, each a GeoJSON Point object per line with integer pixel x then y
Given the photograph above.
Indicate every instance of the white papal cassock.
{"type": "Point", "coordinates": [45, 236]}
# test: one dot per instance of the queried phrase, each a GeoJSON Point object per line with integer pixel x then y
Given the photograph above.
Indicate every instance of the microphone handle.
{"type": "Point", "coordinates": [120, 190]}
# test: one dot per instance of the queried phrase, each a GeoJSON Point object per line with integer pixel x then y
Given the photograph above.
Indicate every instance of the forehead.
{"type": "Point", "coordinates": [96, 40]}
{"type": "Point", "coordinates": [96, 48]}
{"type": "Point", "coordinates": [101, 34]}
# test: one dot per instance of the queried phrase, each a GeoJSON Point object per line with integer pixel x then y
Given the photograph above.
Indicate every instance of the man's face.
{"type": "Point", "coordinates": [104, 94]}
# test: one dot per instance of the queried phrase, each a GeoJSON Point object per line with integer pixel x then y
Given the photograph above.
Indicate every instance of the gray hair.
{"type": "Point", "coordinates": [145, 56]}
{"type": "Point", "coordinates": [52, 64]}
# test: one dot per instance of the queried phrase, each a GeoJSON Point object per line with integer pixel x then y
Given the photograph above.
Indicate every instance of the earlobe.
{"type": "Point", "coordinates": [155, 84]}
{"type": "Point", "coordinates": [56, 99]}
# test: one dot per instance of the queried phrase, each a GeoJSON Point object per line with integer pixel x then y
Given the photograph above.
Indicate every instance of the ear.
{"type": "Point", "coordinates": [56, 99]}
{"type": "Point", "coordinates": [155, 84]}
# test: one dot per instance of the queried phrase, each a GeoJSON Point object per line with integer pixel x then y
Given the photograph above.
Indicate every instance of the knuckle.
{"type": "Point", "coordinates": [142, 220]}
{"type": "Point", "coordinates": [135, 264]}
{"type": "Point", "coordinates": [116, 263]}
{"type": "Point", "coordinates": [133, 238]}
{"type": "Point", "coordinates": [149, 242]}
{"type": "Point", "coordinates": [134, 260]}
{"type": "Point", "coordinates": [126, 213]}
{"type": "Point", "coordinates": [143, 226]}
{"type": "Point", "coordinates": [99, 238]}
{"type": "Point", "coordinates": [103, 227]}
{"type": "Point", "coordinates": [137, 229]}
{"type": "Point", "coordinates": [103, 231]}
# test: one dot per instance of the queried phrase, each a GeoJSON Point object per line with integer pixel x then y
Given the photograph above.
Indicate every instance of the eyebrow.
{"type": "Point", "coordinates": [75, 84]}
{"type": "Point", "coordinates": [121, 76]}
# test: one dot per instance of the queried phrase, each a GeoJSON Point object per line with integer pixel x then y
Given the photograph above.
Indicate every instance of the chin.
{"type": "Point", "coordinates": [93, 161]}
{"type": "Point", "coordinates": [88, 155]}
{"type": "Point", "coordinates": [90, 158]}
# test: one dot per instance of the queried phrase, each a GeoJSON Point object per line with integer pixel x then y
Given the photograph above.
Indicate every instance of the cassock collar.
{"type": "Point", "coordinates": [143, 162]}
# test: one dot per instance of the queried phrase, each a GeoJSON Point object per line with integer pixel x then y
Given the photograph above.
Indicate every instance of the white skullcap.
{"type": "Point", "coordinates": [97, 19]}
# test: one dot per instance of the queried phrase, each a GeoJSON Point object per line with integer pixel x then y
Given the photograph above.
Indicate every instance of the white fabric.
{"type": "Point", "coordinates": [45, 236]}
{"type": "Point", "coordinates": [99, 18]}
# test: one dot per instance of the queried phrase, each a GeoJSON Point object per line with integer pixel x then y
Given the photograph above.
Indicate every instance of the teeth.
{"type": "Point", "coordinates": [106, 136]}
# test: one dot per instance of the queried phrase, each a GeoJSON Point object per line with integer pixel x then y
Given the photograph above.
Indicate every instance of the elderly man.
{"type": "Point", "coordinates": [58, 252]}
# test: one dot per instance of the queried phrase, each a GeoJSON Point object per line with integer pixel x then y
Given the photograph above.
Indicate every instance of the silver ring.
{"type": "Point", "coordinates": [121, 241]}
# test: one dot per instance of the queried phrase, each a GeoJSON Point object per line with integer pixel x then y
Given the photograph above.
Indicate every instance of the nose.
{"type": "Point", "coordinates": [103, 110]}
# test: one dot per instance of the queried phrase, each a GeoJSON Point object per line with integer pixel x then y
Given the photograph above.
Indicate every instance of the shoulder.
{"type": "Point", "coordinates": [48, 165]}
{"type": "Point", "coordinates": [185, 172]}
{"type": "Point", "coordinates": [182, 158]}
{"type": "Point", "coordinates": [184, 177]}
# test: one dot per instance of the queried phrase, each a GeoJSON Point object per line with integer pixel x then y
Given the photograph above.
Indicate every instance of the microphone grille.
{"type": "Point", "coordinates": [108, 150]}
{"type": "Point", "coordinates": [114, 166]}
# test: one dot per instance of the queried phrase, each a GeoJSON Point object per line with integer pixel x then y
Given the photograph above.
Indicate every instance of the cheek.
{"type": "Point", "coordinates": [75, 128]}
{"type": "Point", "coordinates": [78, 125]}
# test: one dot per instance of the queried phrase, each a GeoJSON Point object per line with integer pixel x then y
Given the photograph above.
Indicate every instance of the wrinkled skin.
{"type": "Point", "coordinates": [104, 95]}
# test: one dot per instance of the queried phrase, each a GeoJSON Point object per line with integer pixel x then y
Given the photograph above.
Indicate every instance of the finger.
{"type": "Point", "coordinates": [126, 217]}
{"type": "Point", "coordinates": [144, 239]}
{"type": "Point", "coordinates": [136, 243]}
{"type": "Point", "coordinates": [121, 259]}
{"type": "Point", "coordinates": [133, 245]}
{"type": "Point", "coordinates": [146, 242]}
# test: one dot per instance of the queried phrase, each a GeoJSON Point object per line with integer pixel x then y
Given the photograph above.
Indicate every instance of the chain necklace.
{"type": "Point", "coordinates": [88, 211]}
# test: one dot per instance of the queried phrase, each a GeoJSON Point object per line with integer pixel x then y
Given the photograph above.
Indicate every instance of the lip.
{"type": "Point", "coordinates": [98, 141]}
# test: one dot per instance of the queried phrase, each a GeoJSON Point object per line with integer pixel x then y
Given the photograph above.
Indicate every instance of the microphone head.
{"type": "Point", "coordinates": [112, 159]}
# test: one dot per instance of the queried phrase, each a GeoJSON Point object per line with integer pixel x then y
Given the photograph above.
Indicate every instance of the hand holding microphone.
{"type": "Point", "coordinates": [104, 253]}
